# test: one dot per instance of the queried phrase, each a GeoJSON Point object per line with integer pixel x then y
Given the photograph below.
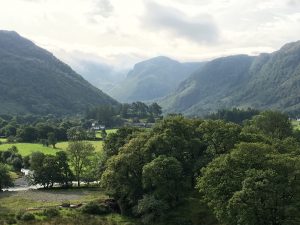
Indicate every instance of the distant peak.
{"type": "Point", "coordinates": [8, 32]}
{"type": "Point", "coordinates": [290, 46]}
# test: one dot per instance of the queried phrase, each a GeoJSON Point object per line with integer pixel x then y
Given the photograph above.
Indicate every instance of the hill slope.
{"type": "Point", "coordinates": [268, 81]}
{"type": "Point", "coordinates": [152, 79]}
{"type": "Point", "coordinates": [32, 80]}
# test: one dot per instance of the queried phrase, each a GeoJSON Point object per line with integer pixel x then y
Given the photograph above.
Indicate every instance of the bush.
{"type": "Point", "coordinates": [65, 204]}
{"type": "Point", "coordinates": [94, 208]}
{"type": "Point", "coordinates": [51, 212]}
{"type": "Point", "coordinates": [19, 215]}
{"type": "Point", "coordinates": [27, 216]}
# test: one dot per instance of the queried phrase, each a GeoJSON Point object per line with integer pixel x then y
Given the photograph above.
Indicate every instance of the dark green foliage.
{"type": "Point", "coordinates": [235, 115]}
{"type": "Point", "coordinates": [151, 209]}
{"type": "Point", "coordinates": [95, 208]}
{"type": "Point", "coordinates": [52, 140]}
{"type": "Point", "coordinates": [51, 212]}
{"type": "Point", "coordinates": [11, 157]}
{"type": "Point", "coordinates": [267, 81]}
{"type": "Point", "coordinates": [253, 185]}
{"type": "Point", "coordinates": [28, 216]}
{"type": "Point", "coordinates": [116, 140]}
{"type": "Point", "coordinates": [162, 175]}
{"type": "Point", "coordinates": [116, 116]}
{"type": "Point", "coordinates": [273, 124]}
{"type": "Point", "coordinates": [27, 134]}
{"type": "Point", "coordinates": [50, 169]}
{"type": "Point", "coordinates": [34, 81]}
{"type": "Point", "coordinates": [5, 179]}
{"type": "Point", "coordinates": [156, 167]}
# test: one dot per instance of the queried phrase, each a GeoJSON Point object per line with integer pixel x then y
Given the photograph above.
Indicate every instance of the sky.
{"type": "Point", "coordinates": [123, 32]}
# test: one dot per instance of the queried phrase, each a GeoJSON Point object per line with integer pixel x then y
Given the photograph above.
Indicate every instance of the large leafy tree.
{"type": "Point", "coordinates": [80, 153]}
{"type": "Point", "coordinates": [122, 178]}
{"type": "Point", "coordinates": [163, 178]}
{"type": "Point", "coordinates": [219, 135]}
{"type": "Point", "coordinates": [271, 123]}
{"type": "Point", "coordinates": [253, 185]}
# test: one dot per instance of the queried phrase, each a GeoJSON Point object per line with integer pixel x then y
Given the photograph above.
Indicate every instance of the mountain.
{"type": "Point", "coordinates": [152, 79]}
{"type": "Point", "coordinates": [32, 80]}
{"type": "Point", "coordinates": [102, 76]}
{"type": "Point", "coordinates": [267, 81]}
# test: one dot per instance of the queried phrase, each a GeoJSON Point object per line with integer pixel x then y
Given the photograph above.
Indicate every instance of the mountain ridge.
{"type": "Point", "coordinates": [261, 82]}
{"type": "Point", "coordinates": [33, 80]}
{"type": "Point", "coordinates": [152, 79]}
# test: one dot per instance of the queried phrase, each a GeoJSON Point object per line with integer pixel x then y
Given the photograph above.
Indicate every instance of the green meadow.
{"type": "Point", "coordinates": [28, 148]}
{"type": "Point", "coordinates": [296, 124]}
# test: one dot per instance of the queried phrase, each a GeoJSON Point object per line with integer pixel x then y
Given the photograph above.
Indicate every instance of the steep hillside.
{"type": "Point", "coordinates": [32, 80]}
{"type": "Point", "coordinates": [263, 82]}
{"type": "Point", "coordinates": [102, 76]}
{"type": "Point", "coordinates": [152, 79]}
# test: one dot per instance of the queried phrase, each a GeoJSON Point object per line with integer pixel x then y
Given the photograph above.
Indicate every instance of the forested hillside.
{"type": "Point", "coordinates": [152, 79]}
{"type": "Point", "coordinates": [32, 80]}
{"type": "Point", "coordinates": [262, 82]}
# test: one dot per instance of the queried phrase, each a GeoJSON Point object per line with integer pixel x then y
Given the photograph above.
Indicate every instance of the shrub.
{"type": "Point", "coordinates": [51, 212]}
{"type": "Point", "coordinates": [27, 216]}
{"type": "Point", "coordinates": [19, 215]}
{"type": "Point", "coordinates": [65, 204]}
{"type": "Point", "coordinates": [94, 208]}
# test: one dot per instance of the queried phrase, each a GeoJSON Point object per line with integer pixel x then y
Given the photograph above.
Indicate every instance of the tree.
{"type": "Point", "coordinates": [271, 123]}
{"type": "Point", "coordinates": [122, 177]}
{"type": "Point", "coordinates": [52, 140]}
{"type": "Point", "coordinates": [27, 134]}
{"type": "Point", "coordinates": [219, 135]}
{"type": "Point", "coordinates": [65, 174]}
{"type": "Point", "coordinates": [151, 209]}
{"type": "Point", "coordinates": [253, 185]}
{"type": "Point", "coordinates": [76, 134]}
{"type": "Point", "coordinates": [80, 153]}
{"type": "Point", "coordinates": [115, 141]}
{"type": "Point", "coordinates": [103, 134]}
{"type": "Point", "coordinates": [163, 178]}
{"type": "Point", "coordinates": [50, 169]}
{"type": "Point", "coordinates": [155, 109]}
{"type": "Point", "coordinates": [5, 179]}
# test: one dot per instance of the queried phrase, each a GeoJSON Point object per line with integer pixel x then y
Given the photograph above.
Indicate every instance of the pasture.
{"type": "Point", "coordinates": [296, 124]}
{"type": "Point", "coordinates": [28, 148]}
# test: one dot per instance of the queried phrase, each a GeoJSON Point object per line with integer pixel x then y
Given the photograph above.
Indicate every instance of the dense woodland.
{"type": "Point", "coordinates": [245, 173]}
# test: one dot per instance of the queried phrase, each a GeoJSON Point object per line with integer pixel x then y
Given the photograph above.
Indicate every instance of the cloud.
{"type": "Point", "coordinates": [103, 8]}
{"type": "Point", "coordinates": [293, 2]}
{"type": "Point", "coordinates": [200, 29]}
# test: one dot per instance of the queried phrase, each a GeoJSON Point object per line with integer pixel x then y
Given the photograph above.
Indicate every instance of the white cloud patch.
{"type": "Point", "coordinates": [200, 29]}
{"type": "Point", "coordinates": [121, 33]}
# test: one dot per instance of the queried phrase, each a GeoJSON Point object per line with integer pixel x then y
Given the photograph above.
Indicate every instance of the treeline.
{"type": "Point", "coordinates": [45, 130]}
{"type": "Point", "coordinates": [234, 115]}
{"type": "Point", "coordinates": [116, 115]}
{"type": "Point", "coordinates": [246, 174]}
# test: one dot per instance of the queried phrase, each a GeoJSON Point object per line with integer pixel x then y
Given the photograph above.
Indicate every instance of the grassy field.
{"type": "Point", "coordinates": [109, 131]}
{"type": "Point", "coordinates": [97, 144]}
{"type": "Point", "coordinates": [3, 140]}
{"type": "Point", "coordinates": [35, 201]}
{"type": "Point", "coordinates": [28, 148]}
{"type": "Point", "coordinates": [296, 124]}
